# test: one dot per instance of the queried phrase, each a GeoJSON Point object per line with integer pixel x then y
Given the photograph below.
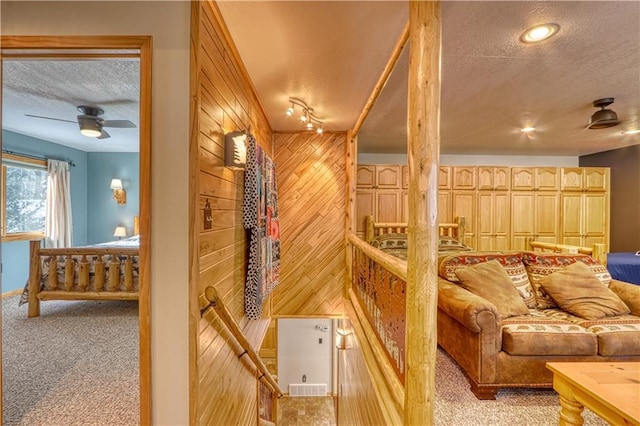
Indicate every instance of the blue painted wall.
{"type": "Point", "coordinates": [103, 213]}
{"type": "Point", "coordinates": [15, 255]}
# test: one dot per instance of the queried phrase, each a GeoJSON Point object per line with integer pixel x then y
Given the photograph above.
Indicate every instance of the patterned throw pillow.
{"type": "Point", "coordinates": [511, 262]}
{"type": "Point", "coordinates": [539, 265]}
{"type": "Point", "coordinates": [451, 244]}
{"type": "Point", "coordinates": [389, 241]}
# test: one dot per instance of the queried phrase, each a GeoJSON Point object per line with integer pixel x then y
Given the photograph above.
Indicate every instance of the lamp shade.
{"type": "Point", "coordinates": [116, 184]}
{"type": "Point", "coordinates": [235, 150]}
{"type": "Point", "coordinates": [120, 231]}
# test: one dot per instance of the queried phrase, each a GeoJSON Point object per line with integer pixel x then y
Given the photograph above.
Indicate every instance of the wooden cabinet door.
{"type": "Point", "coordinates": [596, 179]}
{"type": "Point", "coordinates": [522, 218]}
{"type": "Point", "coordinates": [404, 212]}
{"type": "Point", "coordinates": [464, 178]}
{"type": "Point", "coordinates": [445, 214]}
{"type": "Point", "coordinates": [444, 177]}
{"type": "Point", "coordinates": [571, 178]}
{"type": "Point", "coordinates": [366, 176]}
{"type": "Point", "coordinates": [464, 204]}
{"type": "Point", "coordinates": [365, 205]}
{"type": "Point", "coordinates": [547, 179]}
{"type": "Point", "coordinates": [571, 218]}
{"type": "Point", "coordinates": [493, 221]}
{"type": "Point", "coordinates": [388, 206]}
{"type": "Point", "coordinates": [388, 177]}
{"type": "Point", "coordinates": [522, 178]}
{"type": "Point", "coordinates": [595, 223]}
{"type": "Point", "coordinates": [405, 177]}
{"type": "Point", "coordinates": [547, 217]}
{"type": "Point", "coordinates": [485, 178]}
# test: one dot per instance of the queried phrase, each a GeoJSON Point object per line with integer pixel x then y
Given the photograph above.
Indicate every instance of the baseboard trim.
{"type": "Point", "coordinates": [12, 293]}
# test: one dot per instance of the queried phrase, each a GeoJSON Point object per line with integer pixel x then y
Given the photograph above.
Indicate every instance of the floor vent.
{"type": "Point", "coordinates": [308, 389]}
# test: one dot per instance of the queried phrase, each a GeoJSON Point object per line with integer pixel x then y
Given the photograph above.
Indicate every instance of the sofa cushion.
{"type": "Point", "coordinates": [539, 264]}
{"type": "Point", "coordinates": [533, 335]}
{"type": "Point", "coordinates": [576, 290]}
{"type": "Point", "coordinates": [617, 336]}
{"type": "Point", "coordinates": [490, 281]}
{"type": "Point", "coordinates": [512, 264]}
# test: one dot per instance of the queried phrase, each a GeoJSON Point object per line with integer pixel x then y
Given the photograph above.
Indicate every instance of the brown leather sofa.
{"type": "Point", "coordinates": [496, 352]}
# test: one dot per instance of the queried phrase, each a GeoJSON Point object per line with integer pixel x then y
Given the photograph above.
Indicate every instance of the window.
{"type": "Point", "coordinates": [24, 194]}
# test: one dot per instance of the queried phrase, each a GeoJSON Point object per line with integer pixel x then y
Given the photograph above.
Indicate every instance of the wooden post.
{"type": "Point", "coordinates": [350, 219]}
{"type": "Point", "coordinates": [34, 279]}
{"type": "Point", "coordinates": [98, 276]}
{"type": "Point", "coordinates": [423, 150]}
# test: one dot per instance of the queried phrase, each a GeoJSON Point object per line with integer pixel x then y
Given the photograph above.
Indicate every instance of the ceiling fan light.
{"type": "Point", "coordinates": [89, 127]}
{"type": "Point", "coordinates": [603, 119]}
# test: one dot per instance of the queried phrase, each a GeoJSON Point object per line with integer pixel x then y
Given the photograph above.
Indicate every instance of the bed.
{"type": "Point", "coordinates": [107, 271]}
{"type": "Point", "coordinates": [624, 266]}
{"type": "Point", "coordinates": [597, 251]}
{"type": "Point", "coordinates": [392, 237]}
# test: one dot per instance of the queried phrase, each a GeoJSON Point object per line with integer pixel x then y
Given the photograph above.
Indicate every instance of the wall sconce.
{"type": "Point", "coordinates": [344, 338]}
{"type": "Point", "coordinates": [119, 194]}
{"type": "Point", "coordinates": [120, 232]}
{"type": "Point", "coordinates": [307, 116]}
{"type": "Point", "coordinates": [235, 150]}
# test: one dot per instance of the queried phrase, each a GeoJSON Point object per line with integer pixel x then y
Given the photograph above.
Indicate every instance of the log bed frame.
{"type": "Point", "coordinates": [373, 229]}
{"type": "Point", "coordinates": [112, 279]}
{"type": "Point", "coordinates": [597, 251]}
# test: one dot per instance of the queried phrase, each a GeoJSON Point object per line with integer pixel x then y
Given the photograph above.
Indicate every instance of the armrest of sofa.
{"type": "Point", "coordinates": [629, 293]}
{"type": "Point", "coordinates": [471, 310]}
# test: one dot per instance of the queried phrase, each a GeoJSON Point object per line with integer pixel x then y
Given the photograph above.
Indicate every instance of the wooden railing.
{"type": "Point", "coordinates": [215, 302]}
{"type": "Point", "coordinates": [373, 229]}
{"type": "Point", "coordinates": [597, 251]}
{"type": "Point", "coordinates": [379, 285]}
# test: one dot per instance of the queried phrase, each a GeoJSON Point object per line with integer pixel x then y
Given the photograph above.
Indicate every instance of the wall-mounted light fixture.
{"type": "Point", "coordinates": [119, 194]}
{"type": "Point", "coordinates": [120, 232]}
{"type": "Point", "coordinates": [306, 115]}
{"type": "Point", "coordinates": [235, 150]}
{"type": "Point", "coordinates": [344, 338]}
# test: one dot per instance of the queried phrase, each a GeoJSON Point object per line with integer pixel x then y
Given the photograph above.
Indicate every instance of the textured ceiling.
{"type": "Point", "coordinates": [54, 88]}
{"type": "Point", "coordinates": [331, 53]}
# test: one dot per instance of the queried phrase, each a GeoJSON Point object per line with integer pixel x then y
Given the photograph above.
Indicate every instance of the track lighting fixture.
{"type": "Point", "coordinates": [306, 115]}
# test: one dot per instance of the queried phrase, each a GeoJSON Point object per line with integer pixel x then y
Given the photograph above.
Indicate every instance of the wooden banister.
{"type": "Point", "coordinates": [211, 294]}
{"type": "Point", "coordinates": [395, 265]}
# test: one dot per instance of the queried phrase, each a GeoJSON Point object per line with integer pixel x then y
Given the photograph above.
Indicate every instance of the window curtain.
{"type": "Point", "coordinates": [58, 225]}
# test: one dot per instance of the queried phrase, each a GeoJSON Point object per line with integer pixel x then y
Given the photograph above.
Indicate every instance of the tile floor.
{"type": "Point", "coordinates": [306, 411]}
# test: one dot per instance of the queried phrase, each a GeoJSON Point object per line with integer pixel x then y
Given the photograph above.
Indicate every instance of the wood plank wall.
{"type": "Point", "coordinates": [312, 188]}
{"type": "Point", "coordinates": [222, 386]}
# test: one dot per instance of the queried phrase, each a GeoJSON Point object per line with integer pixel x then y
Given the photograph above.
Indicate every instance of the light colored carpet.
{"type": "Point", "coordinates": [76, 364]}
{"type": "Point", "coordinates": [456, 404]}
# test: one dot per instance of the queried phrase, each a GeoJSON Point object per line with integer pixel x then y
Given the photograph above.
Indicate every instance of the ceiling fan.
{"type": "Point", "coordinates": [90, 122]}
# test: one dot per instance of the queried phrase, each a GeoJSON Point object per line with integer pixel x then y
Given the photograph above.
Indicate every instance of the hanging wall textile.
{"type": "Point", "coordinates": [260, 218]}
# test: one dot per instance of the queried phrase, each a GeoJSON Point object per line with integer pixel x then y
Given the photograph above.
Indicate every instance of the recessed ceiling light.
{"type": "Point", "coordinates": [527, 129]}
{"type": "Point", "coordinates": [539, 33]}
{"type": "Point", "coordinates": [631, 132]}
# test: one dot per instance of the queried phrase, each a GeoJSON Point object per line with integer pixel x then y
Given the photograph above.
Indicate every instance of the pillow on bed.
{"type": "Point", "coordinates": [387, 241]}
{"type": "Point", "coordinates": [490, 281]}
{"type": "Point", "coordinates": [577, 290]}
{"type": "Point", "coordinates": [451, 244]}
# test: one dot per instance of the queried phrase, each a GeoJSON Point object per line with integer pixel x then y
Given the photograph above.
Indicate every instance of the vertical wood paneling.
{"type": "Point", "coordinates": [312, 188]}
{"type": "Point", "coordinates": [223, 386]}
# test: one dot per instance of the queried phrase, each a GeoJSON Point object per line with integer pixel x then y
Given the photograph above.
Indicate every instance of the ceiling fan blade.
{"type": "Point", "coordinates": [104, 135]}
{"type": "Point", "coordinates": [118, 123]}
{"type": "Point", "coordinates": [50, 118]}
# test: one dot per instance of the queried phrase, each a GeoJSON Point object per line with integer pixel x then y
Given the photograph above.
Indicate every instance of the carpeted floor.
{"type": "Point", "coordinates": [76, 364]}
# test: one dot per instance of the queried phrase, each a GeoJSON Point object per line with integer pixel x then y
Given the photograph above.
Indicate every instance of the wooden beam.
{"type": "Point", "coordinates": [382, 80]}
{"type": "Point", "coordinates": [423, 150]}
{"type": "Point", "coordinates": [350, 219]}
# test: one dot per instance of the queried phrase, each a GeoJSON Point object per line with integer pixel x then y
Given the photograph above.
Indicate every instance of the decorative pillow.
{"type": "Point", "coordinates": [490, 281]}
{"type": "Point", "coordinates": [447, 243]}
{"type": "Point", "coordinates": [576, 290]}
{"type": "Point", "coordinates": [539, 265]}
{"type": "Point", "coordinates": [512, 264]}
{"type": "Point", "coordinates": [392, 240]}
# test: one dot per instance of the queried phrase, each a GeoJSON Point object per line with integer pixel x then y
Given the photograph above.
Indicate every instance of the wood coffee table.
{"type": "Point", "coordinates": [609, 389]}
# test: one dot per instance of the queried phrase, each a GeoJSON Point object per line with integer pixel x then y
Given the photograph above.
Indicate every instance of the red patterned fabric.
{"type": "Point", "coordinates": [539, 265]}
{"type": "Point", "coordinates": [511, 262]}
